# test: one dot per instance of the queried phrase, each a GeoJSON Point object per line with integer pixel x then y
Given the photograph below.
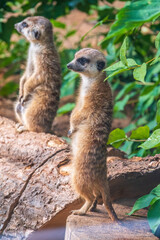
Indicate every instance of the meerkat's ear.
{"type": "Point", "coordinates": [100, 65]}
{"type": "Point", "coordinates": [36, 34]}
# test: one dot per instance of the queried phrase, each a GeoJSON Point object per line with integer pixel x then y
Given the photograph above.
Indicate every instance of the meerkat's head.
{"type": "Point", "coordinates": [89, 62]}
{"type": "Point", "coordinates": [35, 29]}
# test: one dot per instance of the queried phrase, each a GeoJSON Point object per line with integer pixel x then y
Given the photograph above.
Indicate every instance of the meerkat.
{"type": "Point", "coordinates": [90, 125]}
{"type": "Point", "coordinates": [40, 84]}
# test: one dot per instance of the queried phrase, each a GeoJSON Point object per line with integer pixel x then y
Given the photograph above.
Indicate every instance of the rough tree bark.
{"type": "Point", "coordinates": [33, 192]}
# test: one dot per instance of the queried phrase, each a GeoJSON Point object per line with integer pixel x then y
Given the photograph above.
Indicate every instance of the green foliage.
{"type": "Point", "coordinates": [140, 133]}
{"type": "Point", "coordinates": [151, 200]}
{"type": "Point", "coordinates": [116, 137]}
{"type": "Point", "coordinates": [142, 202]}
{"type": "Point", "coordinates": [153, 141]}
{"type": "Point", "coordinates": [132, 16]}
{"type": "Point", "coordinates": [9, 88]}
{"type": "Point", "coordinates": [66, 108]}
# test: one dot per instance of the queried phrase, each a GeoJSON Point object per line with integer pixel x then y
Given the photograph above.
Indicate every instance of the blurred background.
{"type": "Point", "coordinates": [103, 25]}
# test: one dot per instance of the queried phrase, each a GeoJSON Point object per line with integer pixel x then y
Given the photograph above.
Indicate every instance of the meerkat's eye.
{"type": "Point", "coordinates": [24, 24]}
{"type": "Point", "coordinates": [100, 65]}
{"type": "Point", "coordinates": [83, 60]}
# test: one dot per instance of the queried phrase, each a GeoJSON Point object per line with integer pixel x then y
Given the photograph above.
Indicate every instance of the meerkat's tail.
{"type": "Point", "coordinates": [107, 202]}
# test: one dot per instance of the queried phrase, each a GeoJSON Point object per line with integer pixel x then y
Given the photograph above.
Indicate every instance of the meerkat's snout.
{"type": "Point", "coordinates": [20, 26]}
{"type": "Point", "coordinates": [16, 26]}
{"type": "Point", "coordinates": [69, 66]}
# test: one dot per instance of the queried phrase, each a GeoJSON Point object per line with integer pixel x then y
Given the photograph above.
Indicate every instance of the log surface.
{"type": "Point", "coordinates": [33, 193]}
{"type": "Point", "coordinates": [98, 226]}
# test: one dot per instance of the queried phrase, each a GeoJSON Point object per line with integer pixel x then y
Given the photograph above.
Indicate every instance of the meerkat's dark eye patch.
{"type": "Point", "coordinates": [100, 65]}
{"type": "Point", "coordinates": [24, 24]}
{"type": "Point", "coordinates": [83, 60]}
{"type": "Point", "coordinates": [36, 34]}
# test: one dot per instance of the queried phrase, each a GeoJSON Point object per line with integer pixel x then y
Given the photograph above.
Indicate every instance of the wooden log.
{"type": "Point", "coordinates": [33, 192]}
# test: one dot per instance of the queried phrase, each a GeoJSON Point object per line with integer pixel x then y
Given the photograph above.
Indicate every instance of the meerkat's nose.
{"type": "Point", "coordinates": [69, 65]}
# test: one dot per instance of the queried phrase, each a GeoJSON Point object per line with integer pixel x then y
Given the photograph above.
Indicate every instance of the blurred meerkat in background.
{"type": "Point", "coordinates": [40, 84]}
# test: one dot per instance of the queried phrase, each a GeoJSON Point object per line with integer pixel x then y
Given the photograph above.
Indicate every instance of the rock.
{"type": "Point", "coordinates": [98, 226]}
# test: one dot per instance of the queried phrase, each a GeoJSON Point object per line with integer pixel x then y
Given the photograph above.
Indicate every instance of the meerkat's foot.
{"type": "Point", "coordinates": [82, 211]}
{"type": "Point", "coordinates": [21, 128]}
{"type": "Point", "coordinates": [78, 212]}
{"type": "Point", "coordinates": [18, 125]}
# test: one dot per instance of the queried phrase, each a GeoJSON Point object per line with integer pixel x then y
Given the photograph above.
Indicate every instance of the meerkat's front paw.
{"type": "Point", "coordinates": [25, 98]}
{"type": "Point", "coordinates": [20, 128]}
{"type": "Point", "coordinates": [20, 98]}
{"type": "Point", "coordinates": [78, 212]}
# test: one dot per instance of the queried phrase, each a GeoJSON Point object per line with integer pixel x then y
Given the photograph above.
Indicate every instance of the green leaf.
{"type": "Point", "coordinates": [116, 137]}
{"type": "Point", "coordinates": [158, 113]}
{"type": "Point", "coordinates": [154, 216]}
{"type": "Point", "coordinates": [131, 62]}
{"type": "Point", "coordinates": [142, 202]}
{"type": "Point", "coordinates": [123, 51]}
{"type": "Point", "coordinates": [119, 65]}
{"type": "Point", "coordinates": [140, 133]}
{"type": "Point", "coordinates": [70, 33]}
{"type": "Point", "coordinates": [132, 16]}
{"type": "Point", "coordinates": [127, 88]}
{"type": "Point", "coordinates": [154, 200]}
{"type": "Point", "coordinates": [65, 109]}
{"type": "Point", "coordinates": [116, 66]}
{"type": "Point", "coordinates": [58, 24]}
{"type": "Point", "coordinates": [139, 73]}
{"type": "Point", "coordinates": [95, 26]}
{"type": "Point", "coordinates": [119, 105]}
{"type": "Point", "coordinates": [8, 89]}
{"type": "Point", "coordinates": [155, 61]}
{"type": "Point", "coordinates": [152, 141]}
{"type": "Point", "coordinates": [157, 45]}
{"type": "Point", "coordinates": [115, 73]}
{"type": "Point", "coordinates": [68, 140]}
{"type": "Point", "coordinates": [157, 41]}
{"type": "Point", "coordinates": [68, 86]}
{"type": "Point", "coordinates": [156, 191]}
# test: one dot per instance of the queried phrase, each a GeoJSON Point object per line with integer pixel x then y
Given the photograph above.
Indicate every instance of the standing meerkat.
{"type": "Point", "coordinates": [40, 84]}
{"type": "Point", "coordinates": [90, 125]}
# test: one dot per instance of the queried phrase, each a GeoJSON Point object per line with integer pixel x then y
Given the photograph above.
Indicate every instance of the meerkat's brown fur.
{"type": "Point", "coordinates": [40, 84]}
{"type": "Point", "coordinates": [90, 125]}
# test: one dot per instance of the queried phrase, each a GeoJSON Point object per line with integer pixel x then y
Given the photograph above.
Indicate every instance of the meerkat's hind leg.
{"type": "Point", "coordinates": [108, 204]}
{"type": "Point", "coordinates": [94, 206]}
{"type": "Point", "coordinates": [82, 211]}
